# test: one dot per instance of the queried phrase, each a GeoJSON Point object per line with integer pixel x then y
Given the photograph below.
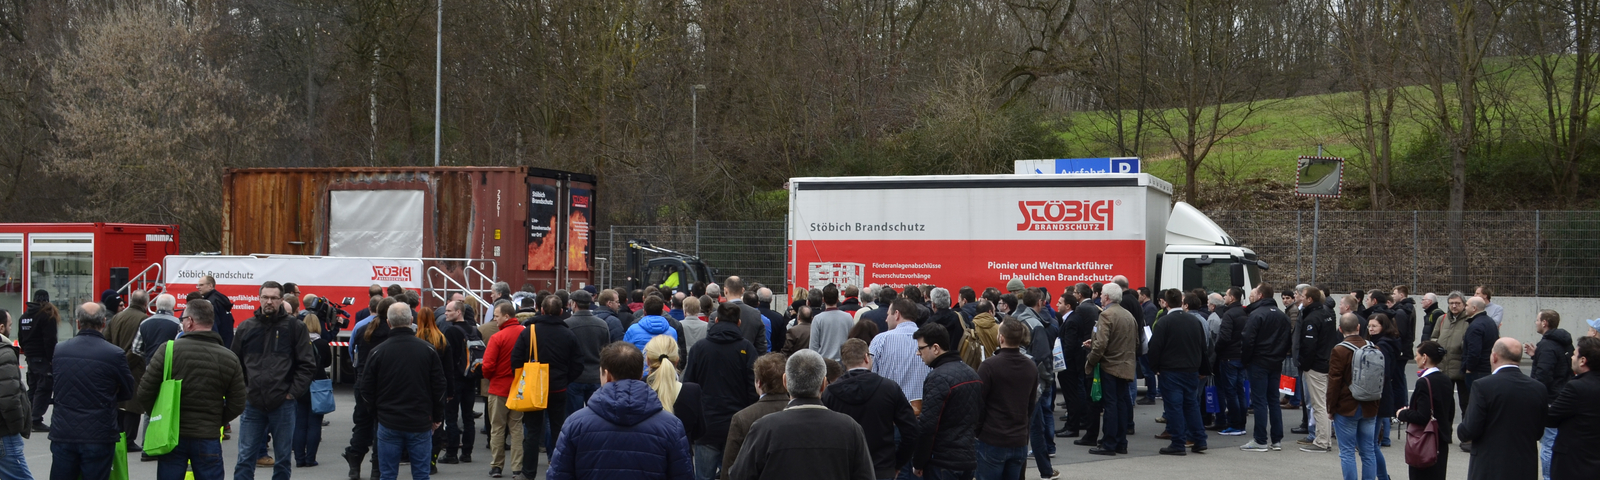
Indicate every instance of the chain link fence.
{"type": "Point", "coordinates": [753, 250]}
{"type": "Point", "coordinates": [1516, 253]}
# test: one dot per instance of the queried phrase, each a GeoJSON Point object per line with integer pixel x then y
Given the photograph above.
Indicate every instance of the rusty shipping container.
{"type": "Point", "coordinates": [420, 212]}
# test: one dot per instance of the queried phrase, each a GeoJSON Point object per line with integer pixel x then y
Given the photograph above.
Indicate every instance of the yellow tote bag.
{"type": "Point", "coordinates": [531, 392]}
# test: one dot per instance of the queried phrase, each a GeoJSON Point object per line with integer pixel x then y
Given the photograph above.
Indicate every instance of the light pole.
{"type": "Point", "coordinates": [694, 121]}
{"type": "Point", "coordinates": [438, 75]}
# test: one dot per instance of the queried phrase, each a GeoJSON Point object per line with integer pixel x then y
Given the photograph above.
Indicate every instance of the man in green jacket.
{"type": "Point", "coordinates": [213, 394]}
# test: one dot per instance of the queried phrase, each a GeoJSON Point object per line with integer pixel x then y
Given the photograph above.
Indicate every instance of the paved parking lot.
{"type": "Point", "coordinates": [1223, 461]}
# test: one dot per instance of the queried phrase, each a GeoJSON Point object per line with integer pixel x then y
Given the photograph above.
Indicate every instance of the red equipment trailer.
{"type": "Point", "coordinates": [75, 262]}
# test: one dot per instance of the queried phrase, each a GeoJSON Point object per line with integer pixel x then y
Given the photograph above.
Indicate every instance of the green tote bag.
{"type": "Point", "coordinates": [162, 434]}
{"type": "Point", "coordinates": [1094, 389]}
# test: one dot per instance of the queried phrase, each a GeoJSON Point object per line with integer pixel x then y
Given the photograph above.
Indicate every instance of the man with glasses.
{"type": "Point", "coordinates": [953, 400]}
{"type": "Point", "coordinates": [1451, 332]}
{"type": "Point", "coordinates": [275, 351]}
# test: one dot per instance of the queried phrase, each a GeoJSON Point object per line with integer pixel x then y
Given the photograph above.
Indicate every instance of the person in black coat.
{"type": "Point", "coordinates": [207, 287]}
{"type": "Point", "coordinates": [1576, 419]}
{"type": "Point", "coordinates": [1431, 401]}
{"type": "Point", "coordinates": [558, 347]}
{"type": "Point", "coordinates": [1504, 418]}
{"type": "Point", "coordinates": [37, 335]}
{"type": "Point", "coordinates": [1077, 328]}
{"type": "Point", "coordinates": [723, 364]}
{"type": "Point", "coordinates": [877, 404]}
{"type": "Point", "coordinates": [93, 376]}
{"type": "Point", "coordinates": [308, 426]}
{"type": "Point", "coordinates": [1383, 332]}
{"type": "Point", "coordinates": [806, 440]}
{"type": "Point", "coordinates": [407, 403]}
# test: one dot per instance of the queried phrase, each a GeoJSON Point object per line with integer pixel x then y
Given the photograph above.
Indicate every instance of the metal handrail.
{"type": "Point", "coordinates": [146, 284]}
{"type": "Point", "coordinates": [428, 278]}
{"type": "Point", "coordinates": [483, 279]}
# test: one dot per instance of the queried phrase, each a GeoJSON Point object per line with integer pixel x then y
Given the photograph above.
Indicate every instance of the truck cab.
{"type": "Point", "coordinates": [1199, 254]}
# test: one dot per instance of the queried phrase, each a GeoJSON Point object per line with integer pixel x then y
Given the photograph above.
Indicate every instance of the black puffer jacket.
{"type": "Point", "coordinates": [213, 383]}
{"type": "Point", "coordinates": [557, 347]}
{"type": "Point", "coordinates": [16, 410]}
{"type": "Point", "coordinates": [404, 383]}
{"type": "Point", "coordinates": [1319, 333]}
{"type": "Point", "coordinates": [880, 407]}
{"type": "Point", "coordinates": [91, 376]}
{"type": "Point", "coordinates": [723, 364]}
{"type": "Point", "coordinates": [1267, 337]}
{"type": "Point", "coordinates": [952, 400]}
{"type": "Point", "coordinates": [1552, 361]}
{"type": "Point", "coordinates": [1229, 346]}
{"type": "Point", "coordinates": [275, 351]}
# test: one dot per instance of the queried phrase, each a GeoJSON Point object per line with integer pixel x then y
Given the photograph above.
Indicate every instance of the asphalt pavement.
{"type": "Point", "coordinates": [1224, 460]}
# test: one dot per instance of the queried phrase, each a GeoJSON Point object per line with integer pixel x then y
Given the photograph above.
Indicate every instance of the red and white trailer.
{"type": "Point", "coordinates": [339, 279]}
{"type": "Point", "coordinates": [984, 230]}
{"type": "Point", "coordinates": [76, 262]}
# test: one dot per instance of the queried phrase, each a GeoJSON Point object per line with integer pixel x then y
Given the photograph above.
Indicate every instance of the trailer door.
{"type": "Point", "coordinates": [63, 264]}
{"type": "Point", "coordinates": [11, 272]}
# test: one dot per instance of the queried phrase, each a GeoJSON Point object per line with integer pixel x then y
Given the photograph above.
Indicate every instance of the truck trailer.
{"type": "Point", "coordinates": [984, 230]}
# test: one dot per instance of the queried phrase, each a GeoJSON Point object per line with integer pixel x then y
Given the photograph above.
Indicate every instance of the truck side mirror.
{"type": "Point", "coordinates": [1236, 274]}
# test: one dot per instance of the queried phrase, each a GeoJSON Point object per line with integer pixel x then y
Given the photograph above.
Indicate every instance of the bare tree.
{"type": "Point", "coordinates": [147, 121]}
{"type": "Point", "coordinates": [1367, 38]}
{"type": "Point", "coordinates": [1213, 76]}
{"type": "Point", "coordinates": [1452, 39]}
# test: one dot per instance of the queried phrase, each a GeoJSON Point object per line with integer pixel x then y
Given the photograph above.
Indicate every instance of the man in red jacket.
{"type": "Point", "coordinates": [497, 369]}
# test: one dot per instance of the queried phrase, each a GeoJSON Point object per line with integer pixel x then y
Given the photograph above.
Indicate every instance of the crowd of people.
{"type": "Point", "coordinates": [711, 382]}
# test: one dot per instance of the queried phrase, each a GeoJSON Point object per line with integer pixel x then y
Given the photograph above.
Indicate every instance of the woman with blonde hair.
{"type": "Point", "coordinates": [680, 398]}
{"type": "Point", "coordinates": [308, 426]}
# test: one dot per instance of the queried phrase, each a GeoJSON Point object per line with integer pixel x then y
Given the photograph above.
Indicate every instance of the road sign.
{"type": "Point", "coordinates": [1319, 177]}
{"type": "Point", "coordinates": [1078, 165]}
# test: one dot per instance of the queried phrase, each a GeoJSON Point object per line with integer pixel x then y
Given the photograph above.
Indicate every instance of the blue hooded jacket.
{"type": "Point", "coordinates": [647, 328]}
{"type": "Point", "coordinates": [622, 434]}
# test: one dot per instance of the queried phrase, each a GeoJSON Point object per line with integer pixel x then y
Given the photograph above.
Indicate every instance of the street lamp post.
{"type": "Point", "coordinates": [694, 121]}
{"type": "Point", "coordinates": [438, 76]}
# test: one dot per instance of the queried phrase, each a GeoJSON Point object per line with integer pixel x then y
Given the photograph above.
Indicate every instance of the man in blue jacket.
{"type": "Point", "coordinates": [92, 375]}
{"type": "Point", "coordinates": [623, 433]}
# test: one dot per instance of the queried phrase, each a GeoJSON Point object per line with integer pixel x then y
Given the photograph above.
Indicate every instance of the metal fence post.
{"type": "Point", "coordinates": [697, 237]}
{"type": "Point", "coordinates": [1299, 250]}
{"type": "Point", "coordinates": [1416, 251]}
{"type": "Point", "coordinates": [1536, 238]}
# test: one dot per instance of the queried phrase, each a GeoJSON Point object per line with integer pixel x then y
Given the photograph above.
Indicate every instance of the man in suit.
{"type": "Point", "coordinates": [1579, 423]}
{"type": "Point", "coordinates": [1504, 418]}
{"type": "Point", "coordinates": [750, 320]}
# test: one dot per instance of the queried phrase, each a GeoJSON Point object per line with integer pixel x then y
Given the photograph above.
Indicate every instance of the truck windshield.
{"type": "Point", "coordinates": [1212, 278]}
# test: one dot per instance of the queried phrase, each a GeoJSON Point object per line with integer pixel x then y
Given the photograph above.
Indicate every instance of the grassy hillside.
{"type": "Point", "coordinates": [1260, 156]}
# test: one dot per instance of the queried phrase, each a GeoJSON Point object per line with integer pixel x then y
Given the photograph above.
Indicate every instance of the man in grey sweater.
{"type": "Point", "coordinates": [830, 328]}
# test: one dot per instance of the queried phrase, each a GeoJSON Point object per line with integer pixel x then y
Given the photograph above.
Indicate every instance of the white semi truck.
{"type": "Point", "coordinates": [984, 230]}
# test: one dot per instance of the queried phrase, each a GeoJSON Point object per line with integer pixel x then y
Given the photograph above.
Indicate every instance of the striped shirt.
{"type": "Point", "coordinates": [894, 356]}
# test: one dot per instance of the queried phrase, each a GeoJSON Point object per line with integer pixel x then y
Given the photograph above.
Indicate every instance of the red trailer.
{"type": "Point", "coordinates": [75, 262]}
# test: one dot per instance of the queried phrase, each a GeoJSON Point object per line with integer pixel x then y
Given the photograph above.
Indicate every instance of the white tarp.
{"type": "Point", "coordinates": [376, 223]}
